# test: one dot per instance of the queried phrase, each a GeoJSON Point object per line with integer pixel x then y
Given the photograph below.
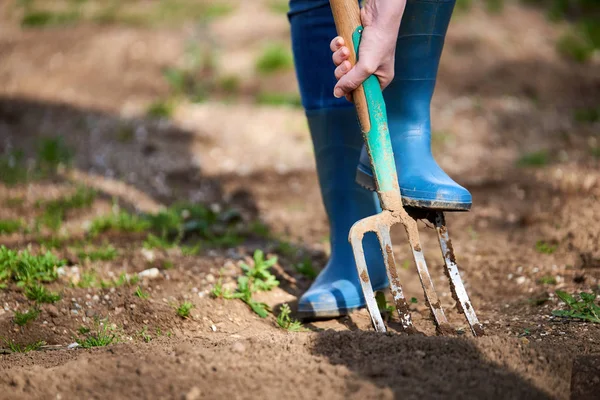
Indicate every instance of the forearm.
{"type": "Point", "coordinates": [385, 15]}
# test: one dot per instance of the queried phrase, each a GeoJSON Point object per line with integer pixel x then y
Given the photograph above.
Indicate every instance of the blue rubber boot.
{"type": "Point", "coordinates": [420, 41]}
{"type": "Point", "coordinates": [337, 142]}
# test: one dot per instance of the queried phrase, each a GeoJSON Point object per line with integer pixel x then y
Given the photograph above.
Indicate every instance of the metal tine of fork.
{"type": "Point", "coordinates": [365, 282]}
{"type": "Point", "coordinates": [456, 284]}
{"type": "Point", "coordinates": [430, 294]}
{"type": "Point", "coordinates": [383, 233]}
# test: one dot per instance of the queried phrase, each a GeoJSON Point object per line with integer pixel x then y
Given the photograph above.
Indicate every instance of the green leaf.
{"type": "Point", "coordinates": [563, 313]}
{"type": "Point", "coordinates": [259, 308]}
{"type": "Point", "coordinates": [588, 297]}
{"type": "Point", "coordinates": [566, 297]}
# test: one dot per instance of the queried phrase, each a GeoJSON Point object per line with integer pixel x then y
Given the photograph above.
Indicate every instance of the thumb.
{"type": "Point", "coordinates": [352, 79]}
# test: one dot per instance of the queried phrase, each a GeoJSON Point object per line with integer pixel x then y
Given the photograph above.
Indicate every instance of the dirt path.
{"type": "Point", "coordinates": [503, 95]}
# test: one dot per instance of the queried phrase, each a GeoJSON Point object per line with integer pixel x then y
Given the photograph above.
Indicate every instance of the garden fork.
{"type": "Point", "coordinates": [370, 107]}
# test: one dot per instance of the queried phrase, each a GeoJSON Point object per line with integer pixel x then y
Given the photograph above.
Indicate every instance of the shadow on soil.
{"type": "Point", "coordinates": [144, 163]}
{"type": "Point", "coordinates": [429, 367]}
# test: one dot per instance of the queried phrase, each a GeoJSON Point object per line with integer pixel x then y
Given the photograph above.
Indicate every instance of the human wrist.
{"type": "Point", "coordinates": [383, 14]}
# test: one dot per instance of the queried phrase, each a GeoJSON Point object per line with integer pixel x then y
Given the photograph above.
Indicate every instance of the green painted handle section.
{"type": "Point", "coordinates": [377, 139]}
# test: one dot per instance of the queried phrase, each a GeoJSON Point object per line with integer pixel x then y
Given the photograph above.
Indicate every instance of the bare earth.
{"type": "Point", "coordinates": [503, 92]}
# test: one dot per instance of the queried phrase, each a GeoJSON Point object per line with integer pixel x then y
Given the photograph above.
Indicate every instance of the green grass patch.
{"type": "Point", "coordinates": [191, 250]}
{"type": "Point", "coordinates": [122, 280]}
{"type": "Point", "coordinates": [50, 242]}
{"type": "Point", "coordinates": [161, 109]}
{"type": "Point", "coordinates": [38, 19]}
{"type": "Point", "coordinates": [306, 269]}
{"type": "Point", "coordinates": [105, 252]}
{"type": "Point", "coordinates": [52, 153]}
{"type": "Point", "coordinates": [544, 247]}
{"type": "Point", "coordinates": [18, 348]}
{"type": "Point", "coordinates": [179, 225]}
{"type": "Point", "coordinates": [143, 334]}
{"type": "Point", "coordinates": [88, 279]}
{"type": "Point", "coordinates": [25, 268]}
{"type": "Point", "coordinates": [55, 211]}
{"type": "Point", "coordinates": [175, 11]}
{"type": "Point", "coordinates": [182, 221]}
{"type": "Point", "coordinates": [285, 321]}
{"type": "Point", "coordinates": [494, 6]}
{"type": "Point", "coordinates": [584, 309]}
{"type": "Point", "coordinates": [23, 318]}
{"type": "Point", "coordinates": [547, 280]}
{"type": "Point", "coordinates": [279, 6]}
{"type": "Point", "coordinates": [40, 294]}
{"type": "Point", "coordinates": [184, 310]}
{"type": "Point", "coordinates": [230, 84]}
{"type": "Point", "coordinates": [279, 99]}
{"type": "Point", "coordinates": [463, 5]}
{"type": "Point", "coordinates": [159, 242]}
{"type": "Point", "coordinates": [101, 336]}
{"type": "Point", "coordinates": [534, 159]}
{"type": "Point", "coordinates": [141, 294]}
{"type": "Point", "coordinates": [152, 14]}
{"type": "Point", "coordinates": [12, 168]}
{"type": "Point", "coordinates": [286, 249]}
{"type": "Point", "coordinates": [275, 57]}
{"type": "Point", "coordinates": [8, 226]}
{"type": "Point", "coordinates": [575, 46]}
{"type": "Point", "coordinates": [121, 221]}
{"type": "Point", "coordinates": [260, 229]}
{"type": "Point", "coordinates": [216, 10]}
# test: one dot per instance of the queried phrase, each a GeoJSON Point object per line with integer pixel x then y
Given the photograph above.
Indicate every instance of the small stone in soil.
{"type": "Point", "coordinates": [151, 273]}
{"type": "Point", "coordinates": [193, 394]}
{"type": "Point", "coordinates": [238, 347]}
{"type": "Point", "coordinates": [52, 311]}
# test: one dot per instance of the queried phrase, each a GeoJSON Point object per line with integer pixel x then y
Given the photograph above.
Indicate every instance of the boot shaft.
{"type": "Point", "coordinates": [418, 51]}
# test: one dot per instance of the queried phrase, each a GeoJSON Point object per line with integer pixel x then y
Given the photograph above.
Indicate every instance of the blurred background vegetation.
{"type": "Point", "coordinates": [198, 77]}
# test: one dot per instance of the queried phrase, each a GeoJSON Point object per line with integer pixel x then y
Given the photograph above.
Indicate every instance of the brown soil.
{"type": "Point", "coordinates": [503, 92]}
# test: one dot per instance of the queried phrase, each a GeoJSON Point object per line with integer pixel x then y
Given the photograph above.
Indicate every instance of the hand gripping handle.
{"type": "Point", "coordinates": [370, 108]}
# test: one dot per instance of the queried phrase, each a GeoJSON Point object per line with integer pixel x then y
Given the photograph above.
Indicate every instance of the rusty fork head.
{"type": "Point", "coordinates": [381, 225]}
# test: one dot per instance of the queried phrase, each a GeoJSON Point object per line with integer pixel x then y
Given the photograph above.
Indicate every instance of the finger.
{"type": "Point", "coordinates": [352, 79]}
{"type": "Point", "coordinates": [342, 69]}
{"type": "Point", "coordinates": [340, 55]}
{"type": "Point", "coordinates": [336, 43]}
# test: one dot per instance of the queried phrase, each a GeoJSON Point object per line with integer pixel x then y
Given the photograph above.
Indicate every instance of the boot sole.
{"type": "Point", "coordinates": [365, 180]}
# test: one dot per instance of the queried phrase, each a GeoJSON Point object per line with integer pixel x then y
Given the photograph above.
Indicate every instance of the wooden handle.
{"type": "Point", "coordinates": [346, 14]}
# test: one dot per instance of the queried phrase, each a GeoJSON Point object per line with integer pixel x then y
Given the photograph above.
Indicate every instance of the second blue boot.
{"type": "Point", "coordinates": [419, 48]}
{"type": "Point", "coordinates": [337, 142]}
